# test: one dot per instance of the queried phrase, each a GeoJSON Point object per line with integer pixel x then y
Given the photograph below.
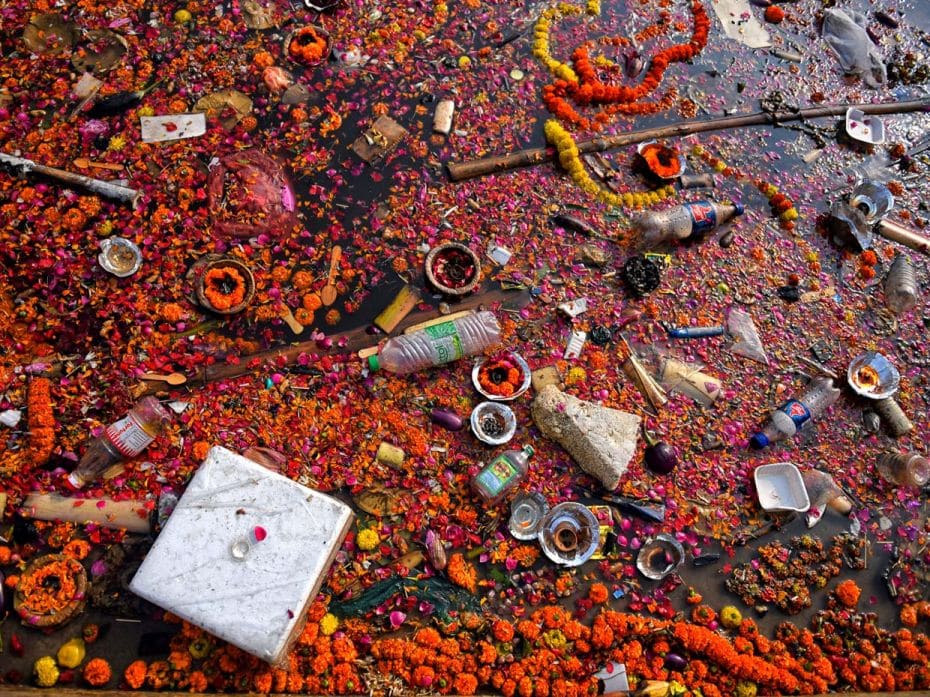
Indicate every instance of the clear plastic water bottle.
{"type": "Point", "coordinates": [502, 474]}
{"type": "Point", "coordinates": [438, 344]}
{"type": "Point", "coordinates": [690, 221]}
{"type": "Point", "coordinates": [121, 440]}
{"type": "Point", "coordinates": [797, 414]}
{"type": "Point", "coordinates": [901, 285]}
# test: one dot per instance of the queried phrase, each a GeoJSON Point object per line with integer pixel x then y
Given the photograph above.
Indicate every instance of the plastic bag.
{"type": "Point", "coordinates": [845, 33]}
{"type": "Point", "coordinates": [746, 341]}
{"type": "Point", "coordinates": [687, 379]}
{"type": "Point", "coordinates": [822, 492]}
{"type": "Point", "coordinates": [249, 194]}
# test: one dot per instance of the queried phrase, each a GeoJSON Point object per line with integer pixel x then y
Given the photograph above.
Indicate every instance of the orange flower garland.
{"type": "Point", "coordinates": [40, 422]}
{"type": "Point", "coordinates": [224, 287]}
{"type": "Point", "coordinates": [461, 573]}
{"type": "Point", "coordinates": [582, 85]}
{"type": "Point", "coordinates": [500, 376]}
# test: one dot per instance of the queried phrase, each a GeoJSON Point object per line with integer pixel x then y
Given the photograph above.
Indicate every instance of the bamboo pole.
{"type": "Point", "coordinates": [353, 340]}
{"type": "Point", "coordinates": [459, 171]}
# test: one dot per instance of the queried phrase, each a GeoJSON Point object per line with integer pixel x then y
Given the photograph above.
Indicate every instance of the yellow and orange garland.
{"type": "Point", "coordinates": [581, 83]}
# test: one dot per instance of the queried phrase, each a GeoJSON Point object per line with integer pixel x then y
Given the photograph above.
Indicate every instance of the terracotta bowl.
{"type": "Point", "coordinates": [453, 269]}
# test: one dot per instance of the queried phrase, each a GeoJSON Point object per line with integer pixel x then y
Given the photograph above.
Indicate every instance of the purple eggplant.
{"type": "Point", "coordinates": [660, 457]}
{"type": "Point", "coordinates": [447, 419]}
{"type": "Point", "coordinates": [675, 662]}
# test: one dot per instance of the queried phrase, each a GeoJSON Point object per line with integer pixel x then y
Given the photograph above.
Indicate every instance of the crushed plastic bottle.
{"type": "Point", "coordinates": [690, 221]}
{"type": "Point", "coordinates": [797, 414]}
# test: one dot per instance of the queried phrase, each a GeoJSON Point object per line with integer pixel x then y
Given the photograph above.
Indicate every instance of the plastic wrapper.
{"type": "Point", "coordinates": [823, 493]}
{"type": "Point", "coordinates": [244, 554]}
{"type": "Point", "coordinates": [746, 341]}
{"type": "Point", "coordinates": [249, 194]}
{"type": "Point", "coordinates": [844, 31]}
{"type": "Point", "coordinates": [690, 380]}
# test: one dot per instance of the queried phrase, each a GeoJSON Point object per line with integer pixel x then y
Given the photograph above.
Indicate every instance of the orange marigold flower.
{"type": "Point", "coordinates": [868, 258]}
{"type": "Point", "coordinates": [312, 302]}
{"type": "Point", "coordinates": [528, 630]}
{"type": "Point", "coordinates": [197, 682]}
{"type": "Point", "coordinates": [461, 573]}
{"type": "Point", "coordinates": [848, 593]}
{"type": "Point", "coordinates": [97, 672]}
{"type": "Point", "coordinates": [77, 549]}
{"type": "Point", "coordinates": [598, 593]}
{"type": "Point", "coordinates": [465, 684]}
{"type": "Point", "coordinates": [134, 675]}
{"type": "Point", "coordinates": [502, 630]}
{"type": "Point", "coordinates": [200, 449]}
{"type": "Point", "coordinates": [908, 615]}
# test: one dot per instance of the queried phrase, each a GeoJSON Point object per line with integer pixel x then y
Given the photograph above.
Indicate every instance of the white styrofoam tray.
{"type": "Point", "coordinates": [780, 488]}
{"type": "Point", "coordinates": [243, 554]}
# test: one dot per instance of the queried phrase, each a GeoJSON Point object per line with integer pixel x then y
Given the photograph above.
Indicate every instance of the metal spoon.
{"type": "Point", "coordinates": [328, 294]}
{"type": "Point", "coordinates": [83, 163]}
{"type": "Point", "coordinates": [171, 378]}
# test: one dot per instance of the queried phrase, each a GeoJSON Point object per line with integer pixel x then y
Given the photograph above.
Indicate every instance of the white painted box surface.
{"type": "Point", "coordinates": [210, 566]}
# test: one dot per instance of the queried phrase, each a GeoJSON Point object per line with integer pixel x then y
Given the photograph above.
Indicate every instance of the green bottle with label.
{"type": "Point", "coordinates": [502, 474]}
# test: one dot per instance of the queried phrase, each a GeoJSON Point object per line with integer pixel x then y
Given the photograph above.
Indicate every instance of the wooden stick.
{"type": "Point", "coordinates": [530, 157]}
{"type": "Point", "coordinates": [354, 340]}
{"type": "Point", "coordinates": [125, 515]}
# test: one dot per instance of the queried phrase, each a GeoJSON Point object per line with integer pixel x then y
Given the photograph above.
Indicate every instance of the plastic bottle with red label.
{"type": "Point", "coordinates": [690, 221]}
{"type": "Point", "coordinates": [121, 440]}
{"type": "Point", "coordinates": [797, 414]}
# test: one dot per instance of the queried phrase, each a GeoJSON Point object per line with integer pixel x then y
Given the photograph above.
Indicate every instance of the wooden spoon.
{"type": "Point", "coordinates": [84, 163]}
{"type": "Point", "coordinates": [288, 316]}
{"type": "Point", "coordinates": [171, 378]}
{"type": "Point", "coordinates": [328, 294]}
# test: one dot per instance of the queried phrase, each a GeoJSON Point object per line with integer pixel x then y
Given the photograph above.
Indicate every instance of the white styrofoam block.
{"type": "Point", "coordinates": [208, 567]}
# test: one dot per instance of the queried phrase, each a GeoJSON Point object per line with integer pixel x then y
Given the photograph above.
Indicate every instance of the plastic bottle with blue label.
{"type": "Point", "coordinates": [690, 221]}
{"type": "Point", "coordinates": [797, 414]}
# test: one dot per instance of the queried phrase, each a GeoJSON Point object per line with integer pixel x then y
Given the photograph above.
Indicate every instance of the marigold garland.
{"type": "Point", "coordinates": [581, 85]}
{"type": "Point", "coordinates": [570, 159]}
{"type": "Point", "coordinates": [224, 287]}
{"type": "Point", "coordinates": [40, 423]}
{"type": "Point", "coordinates": [782, 207]}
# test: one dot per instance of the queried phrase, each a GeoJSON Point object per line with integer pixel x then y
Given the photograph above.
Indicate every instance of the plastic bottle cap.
{"type": "Point", "coordinates": [759, 441]}
{"type": "Point", "coordinates": [73, 482]}
{"type": "Point", "coordinates": [373, 364]}
{"type": "Point", "coordinates": [528, 450]}
{"type": "Point", "coordinates": [739, 207]}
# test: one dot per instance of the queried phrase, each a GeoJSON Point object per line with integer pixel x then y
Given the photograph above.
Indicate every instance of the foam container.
{"type": "Point", "coordinates": [780, 488]}
{"type": "Point", "coordinates": [244, 554]}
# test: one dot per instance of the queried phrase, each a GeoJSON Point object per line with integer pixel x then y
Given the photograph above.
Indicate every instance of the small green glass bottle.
{"type": "Point", "coordinates": [502, 474]}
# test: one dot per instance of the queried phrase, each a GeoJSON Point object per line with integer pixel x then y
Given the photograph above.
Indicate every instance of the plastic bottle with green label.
{"type": "Point", "coordinates": [438, 344]}
{"type": "Point", "coordinates": [502, 474]}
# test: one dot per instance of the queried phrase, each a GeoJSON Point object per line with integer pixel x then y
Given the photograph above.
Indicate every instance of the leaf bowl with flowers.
{"type": "Point", "coordinates": [502, 377]}
{"type": "Point", "coordinates": [453, 269]}
{"type": "Point", "coordinates": [309, 45]}
{"type": "Point", "coordinates": [223, 285]}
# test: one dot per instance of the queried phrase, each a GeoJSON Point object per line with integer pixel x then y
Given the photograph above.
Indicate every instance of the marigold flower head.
{"type": "Point", "coordinates": [329, 624]}
{"type": "Point", "coordinates": [367, 539]}
{"type": "Point", "coordinates": [97, 672]}
{"type": "Point", "coordinates": [46, 671]}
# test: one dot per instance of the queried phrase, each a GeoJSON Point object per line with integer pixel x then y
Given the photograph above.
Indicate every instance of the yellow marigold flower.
{"type": "Point", "coordinates": [329, 624]}
{"type": "Point", "coordinates": [464, 62]}
{"type": "Point", "coordinates": [46, 671]}
{"type": "Point", "coordinates": [746, 689]}
{"type": "Point", "coordinates": [367, 539]}
{"type": "Point", "coordinates": [105, 228]}
{"type": "Point", "coordinates": [146, 111]}
{"type": "Point", "coordinates": [789, 215]}
{"type": "Point", "coordinates": [575, 375]}
{"type": "Point", "coordinates": [117, 143]}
